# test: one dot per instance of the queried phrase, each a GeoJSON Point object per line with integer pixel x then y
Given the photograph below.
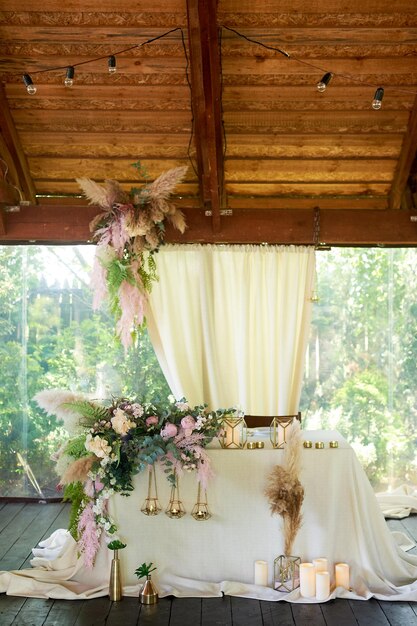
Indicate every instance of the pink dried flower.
{"type": "Point", "coordinates": [88, 540]}
{"type": "Point", "coordinates": [152, 420]}
{"type": "Point", "coordinates": [169, 430]}
{"type": "Point", "coordinates": [188, 424]}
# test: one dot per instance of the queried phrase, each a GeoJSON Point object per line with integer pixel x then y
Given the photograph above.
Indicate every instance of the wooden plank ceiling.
{"type": "Point", "coordinates": [264, 147]}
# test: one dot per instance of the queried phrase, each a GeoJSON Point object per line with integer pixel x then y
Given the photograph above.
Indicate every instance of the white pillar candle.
{"type": "Point", "coordinates": [261, 573]}
{"type": "Point", "coordinates": [322, 585]}
{"type": "Point", "coordinates": [307, 580]}
{"type": "Point", "coordinates": [320, 565]}
{"type": "Point", "coordinates": [342, 575]}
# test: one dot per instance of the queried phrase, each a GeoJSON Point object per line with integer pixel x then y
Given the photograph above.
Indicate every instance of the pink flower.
{"type": "Point", "coordinates": [169, 430]}
{"type": "Point", "coordinates": [188, 424]}
{"type": "Point", "coordinates": [152, 420]}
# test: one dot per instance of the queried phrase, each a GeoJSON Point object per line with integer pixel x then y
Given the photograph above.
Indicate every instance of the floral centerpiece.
{"type": "Point", "coordinates": [128, 232]}
{"type": "Point", "coordinates": [112, 442]}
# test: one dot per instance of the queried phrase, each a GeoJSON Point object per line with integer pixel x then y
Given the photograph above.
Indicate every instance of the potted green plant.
{"type": "Point", "coordinates": [148, 593]}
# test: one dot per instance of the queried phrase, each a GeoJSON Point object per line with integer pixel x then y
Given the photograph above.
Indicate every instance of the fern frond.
{"type": "Point", "coordinates": [75, 447]}
{"type": "Point", "coordinates": [89, 412]}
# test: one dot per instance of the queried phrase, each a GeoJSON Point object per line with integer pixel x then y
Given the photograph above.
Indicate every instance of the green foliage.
{"type": "Point", "coordinates": [144, 570]}
{"type": "Point", "coordinates": [75, 447]}
{"type": "Point", "coordinates": [116, 545]}
{"type": "Point", "coordinates": [74, 493]}
{"type": "Point", "coordinates": [89, 411]}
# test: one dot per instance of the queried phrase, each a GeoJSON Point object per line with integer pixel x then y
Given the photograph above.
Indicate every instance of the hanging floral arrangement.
{"type": "Point", "coordinates": [128, 232]}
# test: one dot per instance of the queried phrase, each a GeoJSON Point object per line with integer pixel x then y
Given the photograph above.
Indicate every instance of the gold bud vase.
{"type": "Point", "coordinates": [148, 594]}
{"type": "Point", "coordinates": [115, 585]}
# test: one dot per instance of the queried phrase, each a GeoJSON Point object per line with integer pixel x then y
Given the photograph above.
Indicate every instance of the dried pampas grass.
{"type": "Point", "coordinates": [54, 402]}
{"type": "Point", "coordinates": [78, 470]}
{"type": "Point", "coordinates": [284, 491]}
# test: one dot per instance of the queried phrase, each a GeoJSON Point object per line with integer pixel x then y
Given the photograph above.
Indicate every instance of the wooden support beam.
{"type": "Point", "coordinates": [206, 102]}
{"type": "Point", "coordinates": [15, 150]}
{"type": "Point", "coordinates": [407, 156]}
{"type": "Point", "coordinates": [344, 227]}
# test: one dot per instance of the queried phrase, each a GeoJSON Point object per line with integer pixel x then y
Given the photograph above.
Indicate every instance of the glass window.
{"type": "Point", "coordinates": [51, 338]}
{"type": "Point", "coordinates": [360, 375]}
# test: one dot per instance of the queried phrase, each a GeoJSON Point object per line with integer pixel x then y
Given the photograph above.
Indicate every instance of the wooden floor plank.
{"type": "Point", "coordinates": [156, 614]}
{"type": "Point", "coordinates": [9, 608]}
{"type": "Point", "coordinates": [308, 614]}
{"type": "Point", "coordinates": [216, 611]}
{"type": "Point", "coordinates": [94, 612]}
{"type": "Point", "coordinates": [41, 516]}
{"type": "Point", "coordinates": [9, 512]}
{"type": "Point", "coordinates": [368, 613]}
{"type": "Point", "coordinates": [59, 521]}
{"type": "Point", "coordinates": [185, 612]}
{"type": "Point", "coordinates": [276, 614]}
{"type": "Point", "coordinates": [126, 612]}
{"type": "Point", "coordinates": [246, 612]}
{"type": "Point", "coordinates": [338, 613]}
{"type": "Point", "coordinates": [399, 613]}
{"type": "Point", "coordinates": [33, 613]}
{"type": "Point", "coordinates": [64, 612]}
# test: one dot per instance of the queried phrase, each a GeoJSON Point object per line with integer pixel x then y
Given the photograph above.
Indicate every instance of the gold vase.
{"type": "Point", "coordinates": [115, 585]}
{"type": "Point", "coordinates": [148, 594]}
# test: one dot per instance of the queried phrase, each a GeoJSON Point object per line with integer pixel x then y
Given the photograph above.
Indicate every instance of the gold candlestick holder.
{"type": "Point", "coordinates": [151, 505]}
{"type": "Point", "coordinates": [175, 508]}
{"type": "Point", "coordinates": [200, 510]}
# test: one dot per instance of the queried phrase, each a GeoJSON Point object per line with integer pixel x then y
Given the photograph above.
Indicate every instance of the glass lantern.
{"type": "Point", "coordinates": [286, 573]}
{"type": "Point", "coordinates": [278, 430]}
{"type": "Point", "coordinates": [234, 432]}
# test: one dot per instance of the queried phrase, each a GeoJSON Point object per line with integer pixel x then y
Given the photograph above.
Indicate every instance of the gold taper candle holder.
{"type": "Point", "coordinates": [151, 505]}
{"type": "Point", "coordinates": [251, 445]}
{"type": "Point", "coordinates": [333, 444]}
{"type": "Point", "coordinates": [307, 444]}
{"type": "Point", "coordinates": [319, 445]}
{"type": "Point", "coordinates": [260, 444]}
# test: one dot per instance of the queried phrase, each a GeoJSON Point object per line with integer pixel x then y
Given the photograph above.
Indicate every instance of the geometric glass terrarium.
{"type": "Point", "coordinates": [286, 573]}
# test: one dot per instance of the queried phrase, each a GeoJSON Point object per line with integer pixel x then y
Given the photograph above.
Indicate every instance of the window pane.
{"type": "Point", "coordinates": [360, 375]}
{"type": "Point", "coordinates": [51, 338]}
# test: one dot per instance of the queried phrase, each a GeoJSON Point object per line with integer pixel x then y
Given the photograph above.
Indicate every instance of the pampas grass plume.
{"type": "Point", "coordinates": [78, 471]}
{"type": "Point", "coordinates": [53, 402]}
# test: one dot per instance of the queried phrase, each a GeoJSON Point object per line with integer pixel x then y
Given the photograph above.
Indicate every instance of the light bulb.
{"type": "Point", "coordinates": [112, 64]}
{"type": "Point", "coordinates": [30, 87]}
{"type": "Point", "coordinates": [69, 78]}
{"type": "Point", "coordinates": [321, 86]}
{"type": "Point", "coordinates": [377, 101]}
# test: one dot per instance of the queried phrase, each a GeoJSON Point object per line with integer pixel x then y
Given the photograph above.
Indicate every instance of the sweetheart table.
{"type": "Point", "coordinates": [342, 522]}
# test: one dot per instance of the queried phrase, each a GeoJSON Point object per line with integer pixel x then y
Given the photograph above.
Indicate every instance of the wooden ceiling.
{"type": "Point", "coordinates": [264, 147]}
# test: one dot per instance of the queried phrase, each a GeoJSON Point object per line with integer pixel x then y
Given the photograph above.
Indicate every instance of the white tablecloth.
{"type": "Point", "coordinates": [342, 521]}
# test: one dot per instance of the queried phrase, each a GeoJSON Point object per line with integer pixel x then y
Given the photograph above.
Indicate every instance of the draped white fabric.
{"type": "Point", "coordinates": [229, 324]}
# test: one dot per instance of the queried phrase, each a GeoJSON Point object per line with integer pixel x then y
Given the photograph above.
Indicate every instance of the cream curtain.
{"type": "Point", "coordinates": [229, 324]}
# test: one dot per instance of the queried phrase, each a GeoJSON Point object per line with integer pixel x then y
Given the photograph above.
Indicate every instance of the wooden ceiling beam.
{"type": "Point", "coordinates": [405, 162]}
{"type": "Point", "coordinates": [15, 150]}
{"type": "Point", "coordinates": [206, 102]}
{"type": "Point", "coordinates": [344, 227]}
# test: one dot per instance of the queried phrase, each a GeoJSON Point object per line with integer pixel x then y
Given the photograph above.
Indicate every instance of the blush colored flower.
{"type": "Point", "coordinates": [121, 423]}
{"type": "Point", "coordinates": [182, 406]}
{"type": "Point", "coordinates": [169, 430]}
{"type": "Point", "coordinates": [97, 446]}
{"type": "Point", "coordinates": [188, 424]}
{"type": "Point", "coordinates": [152, 420]}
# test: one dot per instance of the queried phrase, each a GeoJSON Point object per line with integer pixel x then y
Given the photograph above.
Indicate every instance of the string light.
{"type": "Point", "coordinates": [30, 87]}
{"type": "Point", "coordinates": [112, 64]}
{"type": "Point", "coordinates": [69, 78]}
{"type": "Point", "coordinates": [321, 86]}
{"type": "Point", "coordinates": [377, 101]}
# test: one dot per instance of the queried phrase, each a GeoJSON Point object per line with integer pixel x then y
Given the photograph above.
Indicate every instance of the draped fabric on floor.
{"type": "Point", "coordinates": [229, 324]}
